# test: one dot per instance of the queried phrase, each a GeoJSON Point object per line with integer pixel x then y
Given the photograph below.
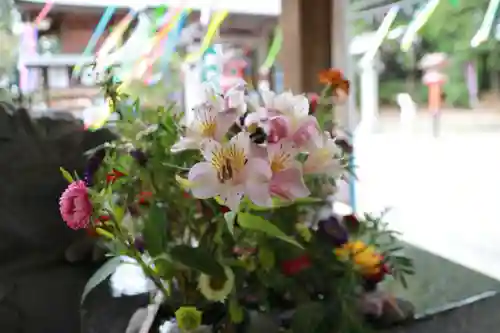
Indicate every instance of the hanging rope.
{"type": "Point", "coordinates": [380, 35]}
{"type": "Point", "coordinates": [117, 33]}
{"type": "Point", "coordinates": [418, 22]}
{"type": "Point", "coordinates": [44, 12]}
{"type": "Point", "coordinates": [274, 50]}
{"type": "Point", "coordinates": [207, 40]}
{"type": "Point", "coordinates": [98, 31]}
{"type": "Point", "coordinates": [482, 34]}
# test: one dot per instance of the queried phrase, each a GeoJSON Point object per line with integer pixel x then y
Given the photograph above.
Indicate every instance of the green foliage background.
{"type": "Point", "coordinates": [8, 41]}
{"type": "Point", "coordinates": [449, 30]}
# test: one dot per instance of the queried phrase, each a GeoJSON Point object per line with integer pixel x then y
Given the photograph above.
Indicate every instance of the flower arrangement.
{"type": "Point", "coordinates": [227, 210]}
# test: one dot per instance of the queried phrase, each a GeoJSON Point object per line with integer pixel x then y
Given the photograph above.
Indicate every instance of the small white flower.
{"type": "Point", "coordinates": [129, 279]}
{"type": "Point", "coordinates": [206, 286]}
{"type": "Point", "coordinates": [169, 327]}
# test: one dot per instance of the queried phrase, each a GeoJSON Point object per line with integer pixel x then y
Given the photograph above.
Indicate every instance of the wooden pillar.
{"type": "Point", "coordinates": [307, 42]}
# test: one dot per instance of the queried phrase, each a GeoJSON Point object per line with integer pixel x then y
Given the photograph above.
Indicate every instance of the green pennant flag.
{"type": "Point", "coordinates": [157, 15]}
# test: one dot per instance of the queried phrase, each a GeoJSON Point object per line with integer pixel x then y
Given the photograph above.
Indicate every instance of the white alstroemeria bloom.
{"type": "Point", "coordinates": [207, 124]}
{"type": "Point", "coordinates": [324, 158]}
{"type": "Point", "coordinates": [230, 172]}
{"type": "Point", "coordinates": [282, 103]}
{"type": "Point", "coordinates": [212, 98]}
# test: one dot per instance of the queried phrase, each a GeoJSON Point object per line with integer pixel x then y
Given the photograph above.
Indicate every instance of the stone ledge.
{"type": "Point", "coordinates": [477, 314]}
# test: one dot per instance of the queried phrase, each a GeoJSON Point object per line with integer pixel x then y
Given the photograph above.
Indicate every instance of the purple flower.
{"type": "Point", "coordinates": [139, 156]}
{"type": "Point", "coordinates": [93, 165]}
{"type": "Point", "coordinates": [332, 231]}
{"type": "Point", "coordinates": [139, 244]}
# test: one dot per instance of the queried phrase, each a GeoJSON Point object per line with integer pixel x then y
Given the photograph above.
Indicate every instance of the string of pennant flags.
{"type": "Point", "coordinates": [163, 33]}
{"type": "Point", "coordinates": [163, 16]}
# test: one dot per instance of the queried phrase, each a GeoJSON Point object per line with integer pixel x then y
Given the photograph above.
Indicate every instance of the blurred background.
{"type": "Point", "coordinates": [424, 113]}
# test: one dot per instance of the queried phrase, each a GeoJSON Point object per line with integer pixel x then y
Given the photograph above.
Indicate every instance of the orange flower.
{"type": "Point", "coordinates": [364, 256]}
{"type": "Point", "coordinates": [335, 78]}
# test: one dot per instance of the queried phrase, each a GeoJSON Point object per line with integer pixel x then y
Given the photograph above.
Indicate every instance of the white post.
{"type": "Point", "coordinates": [369, 96]}
{"type": "Point", "coordinates": [263, 83]}
{"type": "Point", "coordinates": [342, 60]}
{"type": "Point", "coordinates": [192, 85]}
{"type": "Point", "coordinates": [345, 116]}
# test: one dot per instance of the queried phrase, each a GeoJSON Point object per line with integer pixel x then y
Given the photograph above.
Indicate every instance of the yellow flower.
{"type": "Point", "coordinates": [188, 318]}
{"type": "Point", "coordinates": [365, 258]}
{"type": "Point", "coordinates": [216, 289]}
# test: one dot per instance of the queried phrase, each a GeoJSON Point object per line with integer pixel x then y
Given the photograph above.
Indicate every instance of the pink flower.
{"type": "Point", "coordinates": [287, 181]}
{"type": "Point", "coordinates": [306, 131]}
{"type": "Point", "coordinates": [278, 129]}
{"type": "Point", "coordinates": [230, 172]}
{"type": "Point", "coordinates": [289, 118]}
{"type": "Point", "coordinates": [75, 205]}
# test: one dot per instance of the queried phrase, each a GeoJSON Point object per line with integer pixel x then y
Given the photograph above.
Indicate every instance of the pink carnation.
{"type": "Point", "coordinates": [75, 205]}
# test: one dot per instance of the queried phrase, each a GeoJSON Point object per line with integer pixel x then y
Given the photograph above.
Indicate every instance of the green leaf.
{"type": "Point", "coordinates": [197, 258]}
{"type": "Point", "coordinates": [67, 175]}
{"type": "Point", "coordinates": [308, 201]}
{"type": "Point", "coordinates": [100, 275]}
{"type": "Point", "coordinates": [119, 213]}
{"type": "Point", "coordinates": [230, 217]}
{"type": "Point", "coordinates": [267, 258]}
{"type": "Point", "coordinates": [307, 317]}
{"type": "Point", "coordinates": [279, 203]}
{"type": "Point", "coordinates": [104, 233]}
{"type": "Point", "coordinates": [235, 311]}
{"type": "Point", "coordinates": [165, 268]}
{"type": "Point", "coordinates": [256, 223]}
{"type": "Point", "coordinates": [154, 232]}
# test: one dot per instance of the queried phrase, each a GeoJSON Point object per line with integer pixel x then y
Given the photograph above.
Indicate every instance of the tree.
{"type": "Point", "coordinates": [450, 30]}
{"type": "Point", "coordinates": [8, 40]}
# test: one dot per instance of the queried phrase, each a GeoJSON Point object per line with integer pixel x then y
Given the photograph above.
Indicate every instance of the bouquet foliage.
{"type": "Point", "coordinates": [227, 209]}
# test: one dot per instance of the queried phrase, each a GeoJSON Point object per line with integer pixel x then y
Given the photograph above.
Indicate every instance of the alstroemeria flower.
{"type": "Point", "coordinates": [212, 97]}
{"type": "Point", "coordinates": [289, 115]}
{"type": "Point", "coordinates": [287, 181]}
{"type": "Point", "coordinates": [324, 158]}
{"type": "Point", "coordinates": [275, 126]}
{"type": "Point", "coordinates": [207, 123]}
{"type": "Point", "coordinates": [234, 99]}
{"type": "Point", "coordinates": [282, 103]}
{"type": "Point", "coordinates": [230, 173]}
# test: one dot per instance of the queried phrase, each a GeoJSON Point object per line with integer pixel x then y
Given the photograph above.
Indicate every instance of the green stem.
{"type": "Point", "coordinates": [150, 273]}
